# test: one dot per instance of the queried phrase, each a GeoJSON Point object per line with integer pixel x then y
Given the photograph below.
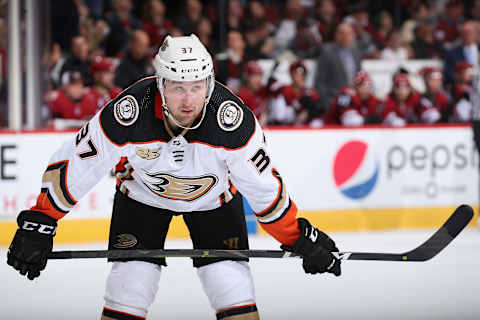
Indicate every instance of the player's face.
{"type": "Point", "coordinates": [185, 100]}
{"type": "Point", "coordinates": [298, 79]}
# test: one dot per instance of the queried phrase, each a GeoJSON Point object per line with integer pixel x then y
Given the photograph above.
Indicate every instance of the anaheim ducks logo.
{"type": "Point", "coordinates": [179, 188]}
{"type": "Point", "coordinates": [148, 154]}
{"type": "Point", "coordinates": [125, 240]}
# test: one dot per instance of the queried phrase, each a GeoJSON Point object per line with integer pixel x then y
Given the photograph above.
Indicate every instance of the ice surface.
{"type": "Point", "coordinates": [446, 287]}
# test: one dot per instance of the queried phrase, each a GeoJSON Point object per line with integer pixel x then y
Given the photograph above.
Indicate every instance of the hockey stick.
{"type": "Point", "coordinates": [436, 243]}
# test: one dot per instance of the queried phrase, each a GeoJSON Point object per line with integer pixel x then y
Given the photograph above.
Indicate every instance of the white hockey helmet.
{"type": "Point", "coordinates": [183, 59]}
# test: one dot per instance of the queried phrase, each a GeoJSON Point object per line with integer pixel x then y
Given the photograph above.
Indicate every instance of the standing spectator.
{"type": "Point", "coordinates": [79, 59]}
{"type": "Point", "coordinates": [467, 50]}
{"type": "Point", "coordinates": [461, 91]}
{"type": "Point", "coordinates": [229, 64]}
{"type": "Point", "coordinates": [337, 64]}
{"type": "Point", "coordinates": [434, 102]}
{"type": "Point", "coordinates": [70, 101]}
{"type": "Point", "coordinates": [122, 24]}
{"type": "Point", "coordinates": [103, 89]}
{"type": "Point", "coordinates": [295, 104]}
{"type": "Point", "coordinates": [192, 14]}
{"type": "Point", "coordinates": [446, 32]}
{"type": "Point", "coordinates": [355, 105]}
{"type": "Point", "coordinates": [326, 18]}
{"type": "Point", "coordinates": [395, 48]}
{"type": "Point", "coordinates": [253, 93]}
{"type": "Point", "coordinates": [401, 103]}
{"type": "Point", "coordinates": [156, 25]}
{"type": "Point", "coordinates": [136, 64]}
{"type": "Point", "coordinates": [424, 45]}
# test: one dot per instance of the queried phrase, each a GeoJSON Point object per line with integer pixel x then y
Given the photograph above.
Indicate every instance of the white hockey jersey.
{"type": "Point", "coordinates": [188, 171]}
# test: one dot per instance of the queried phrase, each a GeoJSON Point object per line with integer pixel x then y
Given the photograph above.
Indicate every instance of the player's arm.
{"type": "Point", "coordinates": [254, 175]}
{"type": "Point", "coordinates": [72, 171]}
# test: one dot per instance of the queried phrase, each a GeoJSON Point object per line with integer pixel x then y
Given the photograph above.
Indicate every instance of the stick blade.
{"type": "Point", "coordinates": [440, 239]}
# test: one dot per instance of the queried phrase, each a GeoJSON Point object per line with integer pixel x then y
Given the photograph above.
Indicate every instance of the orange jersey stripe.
{"type": "Point", "coordinates": [45, 206]}
{"type": "Point", "coordinates": [286, 229]}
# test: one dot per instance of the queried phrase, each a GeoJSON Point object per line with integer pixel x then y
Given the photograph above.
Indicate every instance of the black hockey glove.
{"type": "Point", "coordinates": [316, 248]}
{"type": "Point", "coordinates": [32, 242]}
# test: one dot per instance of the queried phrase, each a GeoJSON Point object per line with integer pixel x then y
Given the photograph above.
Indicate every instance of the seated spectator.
{"type": "Point", "coordinates": [400, 104]}
{"type": "Point", "coordinates": [204, 32]}
{"type": "Point", "coordinates": [424, 45]}
{"type": "Point", "coordinates": [79, 59]}
{"type": "Point", "coordinates": [235, 17]}
{"type": "Point", "coordinates": [434, 102]}
{"type": "Point", "coordinates": [259, 43]}
{"type": "Point", "coordinates": [355, 105]}
{"type": "Point", "coordinates": [326, 19]}
{"type": "Point", "coordinates": [229, 64]}
{"type": "Point", "coordinates": [395, 49]}
{"type": "Point", "coordinates": [287, 28]}
{"type": "Point", "coordinates": [70, 101]}
{"type": "Point", "coordinates": [296, 104]}
{"type": "Point", "coordinates": [191, 16]}
{"type": "Point", "coordinates": [381, 28]}
{"type": "Point", "coordinates": [103, 89]}
{"type": "Point", "coordinates": [122, 24]}
{"type": "Point", "coordinates": [156, 25]}
{"type": "Point", "coordinates": [136, 64]}
{"type": "Point", "coordinates": [461, 108]}
{"type": "Point", "coordinates": [253, 93]}
{"type": "Point", "coordinates": [419, 13]}
{"type": "Point", "coordinates": [308, 41]}
{"type": "Point", "coordinates": [446, 31]}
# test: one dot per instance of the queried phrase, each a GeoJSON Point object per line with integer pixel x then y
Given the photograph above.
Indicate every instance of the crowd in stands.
{"type": "Point", "coordinates": [99, 47]}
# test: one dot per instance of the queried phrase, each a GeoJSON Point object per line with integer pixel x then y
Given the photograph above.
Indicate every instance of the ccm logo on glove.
{"type": "Point", "coordinates": [41, 228]}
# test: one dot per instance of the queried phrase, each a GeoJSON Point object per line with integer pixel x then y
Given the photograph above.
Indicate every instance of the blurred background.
{"type": "Point", "coordinates": [367, 105]}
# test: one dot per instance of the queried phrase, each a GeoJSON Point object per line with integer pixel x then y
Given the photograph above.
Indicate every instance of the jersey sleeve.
{"type": "Point", "coordinates": [254, 175]}
{"type": "Point", "coordinates": [75, 168]}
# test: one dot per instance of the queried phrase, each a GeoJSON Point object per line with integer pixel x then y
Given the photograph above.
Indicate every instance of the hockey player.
{"type": "Point", "coordinates": [461, 107]}
{"type": "Point", "coordinates": [355, 105]}
{"type": "Point", "coordinates": [181, 138]}
{"type": "Point", "coordinates": [103, 89]}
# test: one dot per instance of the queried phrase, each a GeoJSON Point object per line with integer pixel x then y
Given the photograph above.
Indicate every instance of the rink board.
{"type": "Point", "coordinates": [368, 178]}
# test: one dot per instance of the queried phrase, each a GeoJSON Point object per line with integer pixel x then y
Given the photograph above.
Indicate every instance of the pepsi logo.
{"type": "Point", "coordinates": [355, 169]}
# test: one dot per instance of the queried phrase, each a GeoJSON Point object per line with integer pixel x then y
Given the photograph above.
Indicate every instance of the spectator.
{"type": "Point", "coordinates": [79, 59]}
{"type": "Point", "coordinates": [259, 44]}
{"type": "Point", "coordinates": [467, 50]}
{"type": "Point", "coordinates": [122, 24]}
{"type": "Point", "coordinates": [296, 104]}
{"type": "Point", "coordinates": [229, 64]}
{"type": "Point", "coordinates": [191, 16]}
{"type": "Point", "coordinates": [308, 41]}
{"type": "Point", "coordinates": [434, 102]}
{"type": "Point", "coordinates": [359, 18]}
{"type": "Point", "coordinates": [64, 22]}
{"type": "Point", "coordinates": [401, 103]}
{"type": "Point", "coordinates": [337, 64]}
{"type": "Point", "coordinates": [287, 29]}
{"type": "Point", "coordinates": [156, 25]}
{"type": "Point", "coordinates": [419, 13]}
{"type": "Point", "coordinates": [204, 30]}
{"type": "Point", "coordinates": [103, 89]}
{"type": "Point", "coordinates": [326, 18]}
{"type": "Point", "coordinates": [70, 101]}
{"type": "Point", "coordinates": [461, 91]}
{"type": "Point", "coordinates": [395, 49]}
{"type": "Point", "coordinates": [381, 29]}
{"type": "Point", "coordinates": [235, 16]}
{"type": "Point", "coordinates": [424, 45]}
{"type": "Point", "coordinates": [136, 64]}
{"type": "Point", "coordinates": [355, 105]}
{"type": "Point", "coordinates": [253, 93]}
{"type": "Point", "coordinates": [446, 32]}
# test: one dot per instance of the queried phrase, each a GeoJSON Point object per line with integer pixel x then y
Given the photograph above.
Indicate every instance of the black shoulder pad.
{"type": "Point", "coordinates": [228, 122]}
{"type": "Point", "coordinates": [130, 117]}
